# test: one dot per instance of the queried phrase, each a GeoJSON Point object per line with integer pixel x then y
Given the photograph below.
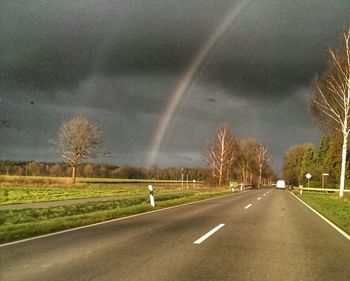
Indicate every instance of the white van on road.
{"type": "Point", "coordinates": [281, 184]}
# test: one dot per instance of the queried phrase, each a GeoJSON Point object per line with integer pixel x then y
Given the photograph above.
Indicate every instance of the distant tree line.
{"type": "Point", "coordinates": [305, 158]}
{"type": "Point", "coordinates": [79, 139]}
{"type": "Point", "coordinates": [244, 160]}
{"type": "Point", "coordinates": [91, 170]}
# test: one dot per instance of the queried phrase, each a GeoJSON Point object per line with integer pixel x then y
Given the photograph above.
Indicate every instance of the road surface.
{"type": "Point", "coordinates": [254, 235]}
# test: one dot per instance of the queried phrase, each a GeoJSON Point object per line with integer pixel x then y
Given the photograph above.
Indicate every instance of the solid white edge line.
{"type": "Point", "coordinates": [108, 221]}
{"type": "Point", "coordinates": [324, 218]}
{"type": "Point", "coordinates": [248, 206]}
{"type": "Point", "coordinates": [208, 234]}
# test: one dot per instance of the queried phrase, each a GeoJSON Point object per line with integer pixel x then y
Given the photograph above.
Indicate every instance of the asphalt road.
{"type": "Point", "coordinates": [272, 238]}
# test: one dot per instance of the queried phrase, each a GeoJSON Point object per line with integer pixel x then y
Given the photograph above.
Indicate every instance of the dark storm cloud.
{"type": "Point", "coordinates": [272, 46]}
{"type": "Point", "coordinates": [278, 47]}
{"type": "Point", "coordinates": [56, 44]}
{"type": "Point", "coordinates": [118, 62]}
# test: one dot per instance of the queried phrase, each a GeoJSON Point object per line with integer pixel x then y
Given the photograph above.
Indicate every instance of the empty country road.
{"type": "Point", "coordinates": [254, 235]}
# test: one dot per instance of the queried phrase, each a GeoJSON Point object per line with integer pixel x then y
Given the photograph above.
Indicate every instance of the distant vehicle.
{"type": "Point", "coordinates": [281, 184]}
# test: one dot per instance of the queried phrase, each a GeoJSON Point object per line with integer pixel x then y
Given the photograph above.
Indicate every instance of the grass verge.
{"type": "Point", "coordinates": [331, 207]}
{"type": "Point", "coordinates": [20, 224]}
{"type": "Point", "coordinates": [17, 190]}
{"type": "Point", "coordinates": [68, 180]}
{"type": "Point", "coordinates": [11, 194]}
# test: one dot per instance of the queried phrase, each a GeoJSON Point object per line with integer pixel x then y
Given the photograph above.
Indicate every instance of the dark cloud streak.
{"type": "Point", "coordinates": [55, 45]}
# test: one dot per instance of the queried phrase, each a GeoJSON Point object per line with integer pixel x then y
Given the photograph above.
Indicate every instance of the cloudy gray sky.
{"type": "Point", "coordinates": [119, 62]}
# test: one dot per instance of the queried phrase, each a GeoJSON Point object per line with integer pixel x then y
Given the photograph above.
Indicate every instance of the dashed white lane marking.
{"type": "Point", "coordinates": [259, 198]}
{"type": "Point", "coordinates": [248, 206]}
{"type": "Point", "coordinates": [210, 233]}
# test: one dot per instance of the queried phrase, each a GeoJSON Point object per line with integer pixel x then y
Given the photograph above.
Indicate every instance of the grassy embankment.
{"type": "Point", "coordinates": [15, 189]}
{"type": "Point", "coordinates": [17, 224]}
{"type": "Point", "coordinates": [331, 207]}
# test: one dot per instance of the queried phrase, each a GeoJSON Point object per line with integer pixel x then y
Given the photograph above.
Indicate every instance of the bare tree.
{"type": "Point", "coordinates": [33, 168]}
{"type": "Point", "coordinates": [246, 160]}
{"type": "Point", "coordinates": [262, 158]}
{"type": "Point", "coordinates": [331, 99]}
{"type": "Point", "coordinates": [89, 171]}
{"type": "Point", "coordinates": [221, 153]}
{"type": "Point", "coordinates": [56, 170]}
{"type": "Point", "coordinates": [78, 139]}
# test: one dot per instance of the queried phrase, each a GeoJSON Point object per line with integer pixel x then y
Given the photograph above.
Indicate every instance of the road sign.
{"type": "Point", "coordinates": [308, 176]}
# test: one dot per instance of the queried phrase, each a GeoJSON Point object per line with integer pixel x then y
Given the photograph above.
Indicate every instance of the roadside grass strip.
{"type": "Point", "coordinates": [208, 234]}
{"type": "Point", "coordinates": [24, 223]}
{"type": "Point", "coordinates": [12, 194]}
{"type": "Point", "coordinates": [55, 180]}
{"type": "Point", "coordinates": [331, 209]}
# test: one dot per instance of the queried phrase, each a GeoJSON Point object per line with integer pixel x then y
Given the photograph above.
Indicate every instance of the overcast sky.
{"type": "Point", "coordinates": [119, 62]}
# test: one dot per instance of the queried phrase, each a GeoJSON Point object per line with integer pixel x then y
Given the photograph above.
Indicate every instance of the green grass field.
{"type": "Point", "coordinates": [23, 223]}
{"type": "Point", "coordinates": [15, 189]}
{"type": "Point", "coordinates": [331, 207]}
{"type": "Point", "coordinates": [27, 194]}
{"type": "Point", "coordinates": [67, 180]}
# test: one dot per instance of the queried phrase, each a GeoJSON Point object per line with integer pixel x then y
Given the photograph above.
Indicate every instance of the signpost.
{"type": "Point", "coordinates": [308, 176]}
{"type": "Point", "coordinates": [323, 179]}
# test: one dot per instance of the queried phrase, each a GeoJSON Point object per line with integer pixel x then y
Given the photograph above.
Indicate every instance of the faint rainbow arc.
{"type": "Point", "coordinates": [187, 77]}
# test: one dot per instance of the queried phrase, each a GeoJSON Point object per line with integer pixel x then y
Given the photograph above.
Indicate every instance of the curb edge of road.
{"type": "Point", "coordinates": [324, 218]}
{"type": "Point", "coordinates": [107, 221]}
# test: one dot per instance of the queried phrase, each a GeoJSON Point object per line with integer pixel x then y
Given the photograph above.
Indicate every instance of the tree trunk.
{"type": "Point", "coordinates": [260, 174]}
{"type": "Point", "coordinates": [73, 173]}
{"type": "Point", "coordinates": [221, 160]}
{"type": "Point", "coordinates": [220, 172]}
{"type": "Point", "coordinates": [343, 166]}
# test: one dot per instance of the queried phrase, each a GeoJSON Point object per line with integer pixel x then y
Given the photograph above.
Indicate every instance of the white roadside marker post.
{"type": "Point", "coordinates": [151, 196]}
{"type": "Point", "coordinates": [232, 187]}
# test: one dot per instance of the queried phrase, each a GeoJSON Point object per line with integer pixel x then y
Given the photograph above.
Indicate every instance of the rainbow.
{"type": "Point", "coordinates": [187, 76]}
